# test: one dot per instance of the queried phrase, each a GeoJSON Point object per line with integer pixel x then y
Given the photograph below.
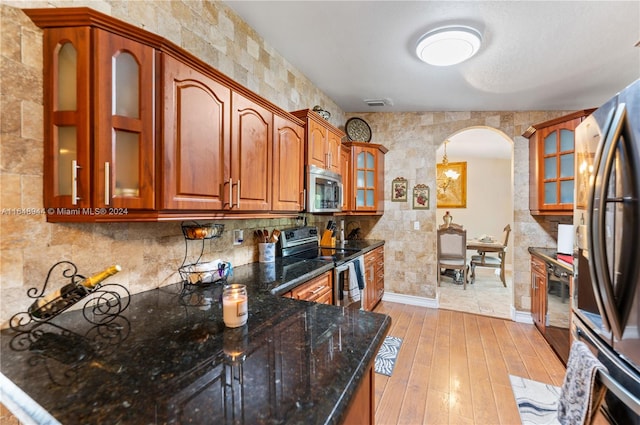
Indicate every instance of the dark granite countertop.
{"type": "Point", "coordinates": [550, 255]}
{"type": "Point", "coordinates": [168, 358]}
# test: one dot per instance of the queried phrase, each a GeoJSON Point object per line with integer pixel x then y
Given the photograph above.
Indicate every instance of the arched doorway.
{"type": "Point", "coordinates": [488, 208]}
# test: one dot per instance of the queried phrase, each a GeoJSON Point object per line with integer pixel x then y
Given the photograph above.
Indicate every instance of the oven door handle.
{"type": "Point", "coordinates": [631, 401]}
{"type": "Point", "coordinates": [342, 267]}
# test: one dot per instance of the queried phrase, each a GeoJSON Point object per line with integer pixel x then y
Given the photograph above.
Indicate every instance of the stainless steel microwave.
{"type": "Point", "coordinates": [324, 190]}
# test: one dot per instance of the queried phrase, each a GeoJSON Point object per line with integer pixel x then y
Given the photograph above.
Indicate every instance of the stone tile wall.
{"type": "Point", "coordinates": [151, 252]}
{"type": "Point", "coordinates": [412, 140]}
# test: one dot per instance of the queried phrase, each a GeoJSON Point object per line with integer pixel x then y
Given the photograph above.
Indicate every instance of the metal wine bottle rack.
{"type": "Point", "coordinates": [108, 302]}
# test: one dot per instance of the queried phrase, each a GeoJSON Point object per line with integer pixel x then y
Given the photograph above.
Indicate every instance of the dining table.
{"type": "Point", "coordinates": [484, 245]}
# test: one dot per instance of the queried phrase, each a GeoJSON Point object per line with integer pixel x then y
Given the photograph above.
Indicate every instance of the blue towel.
{"type": "Point", "coordinates": [359, 272]}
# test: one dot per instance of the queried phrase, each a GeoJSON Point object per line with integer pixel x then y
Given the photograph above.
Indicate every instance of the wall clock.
{"type": "Point", "coordinates": [358, 130]}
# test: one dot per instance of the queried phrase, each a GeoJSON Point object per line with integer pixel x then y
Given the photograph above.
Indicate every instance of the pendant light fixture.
{"type": "Point", "coordinates": [449, 45]}
{"type": "Point", "coordinates": [450, 175]}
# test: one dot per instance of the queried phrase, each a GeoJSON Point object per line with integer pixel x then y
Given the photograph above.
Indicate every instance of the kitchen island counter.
{"type": "Point", "coordinates": [168, 359]}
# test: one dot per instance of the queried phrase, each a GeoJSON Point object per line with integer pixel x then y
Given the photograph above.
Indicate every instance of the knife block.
{"type": "Point", "coordinates": [328, 239]}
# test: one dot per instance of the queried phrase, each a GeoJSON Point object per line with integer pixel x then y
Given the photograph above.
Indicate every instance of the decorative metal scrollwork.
{"type": "Point", "coordinates": [107, 302]}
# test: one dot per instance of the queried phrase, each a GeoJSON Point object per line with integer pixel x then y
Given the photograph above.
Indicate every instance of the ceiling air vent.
{"type": "Point", "coordinates": [379, 102]}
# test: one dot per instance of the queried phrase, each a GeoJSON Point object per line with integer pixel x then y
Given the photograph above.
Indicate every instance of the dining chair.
{"type": "Point", "coordinates": [454, 225]}
{"type": "Point", "coordinates": [484, 259]}
{"type": "Point", "coordinates": [452, 251]}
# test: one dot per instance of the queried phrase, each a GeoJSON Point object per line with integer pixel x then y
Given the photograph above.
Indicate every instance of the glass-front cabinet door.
{"type": "Point", "coordinates": [365, 178]}
{"type": "Point", "coordinates": [124, 134]}
{"type": "Point", "coordinates": [558, 152]}
{"type": "Point", "coordinates": [66, 97]}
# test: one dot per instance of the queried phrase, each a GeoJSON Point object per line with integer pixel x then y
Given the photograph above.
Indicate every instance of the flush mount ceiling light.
{"type": "Point", "coordinates": [448, 45]}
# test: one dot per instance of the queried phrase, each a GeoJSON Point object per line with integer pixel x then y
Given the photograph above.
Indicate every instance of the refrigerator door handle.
{"type": "Point", "coordinates": [596, 219]}
{"type": "Point", "coordinates": [603, 283]}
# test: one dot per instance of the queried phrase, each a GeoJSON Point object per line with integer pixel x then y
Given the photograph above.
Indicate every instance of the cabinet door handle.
{"type": "Point", "coordinates": [304, 199]}
{"type": "Point", "coordinates": [230, 193]}
{"type": "Point", "coordinates": [238, 195]}
{"type": "Point", "coordinates": [330, 160]}
{"type": "Point", "coordinates": [318, 289]}
{"type": "Point", "coordinates": [107, 186]}
{"type": "Point", "coordinates": [74, 182]}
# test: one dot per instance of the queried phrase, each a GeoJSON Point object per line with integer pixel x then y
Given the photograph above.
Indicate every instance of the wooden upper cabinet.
{"type": "Point", "coordinates": [317, 144]}
{"type": "Point", "coordinates": [251, 155]}
{"type": "Point", "coordinates": [116, 147]}
{"type": "Point", "coordinates": [365, 182]}
{"type": "Point", "coordinates": [334, 141]}
{"type": "Point", "coordinates": [552, 164]}
{"type": "Point", "coordinates": [124, 166]}
{"type": "Point", "coordinates": [138, 126]}
{"type": "Point", "coordinates": [196, 139]}
{"type": "Point", "coordinates": [323, 141]}
{"type": "Point", "coordinates": [288, 166]}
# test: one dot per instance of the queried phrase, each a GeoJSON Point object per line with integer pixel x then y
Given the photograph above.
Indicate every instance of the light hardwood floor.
{"type": "Point", "coordinates": [454, 367]}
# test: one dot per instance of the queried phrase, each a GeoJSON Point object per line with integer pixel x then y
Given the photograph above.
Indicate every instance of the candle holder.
{"type": "Point", "coordinates": [235, 308]}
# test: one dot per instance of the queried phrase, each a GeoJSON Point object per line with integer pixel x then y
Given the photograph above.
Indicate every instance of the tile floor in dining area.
{"type": "Point", "coordinates": [486, 296]}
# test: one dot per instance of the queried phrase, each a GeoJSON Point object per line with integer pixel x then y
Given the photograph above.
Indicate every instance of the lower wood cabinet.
{"type": "Point", "coordinates": [318, 289]}
{"type": "Point", "coordinates": [374, 274]}
{"type": "Point", "coordinates": [538, 292]}
{"type": "Point", "coordinates": [362, 409]}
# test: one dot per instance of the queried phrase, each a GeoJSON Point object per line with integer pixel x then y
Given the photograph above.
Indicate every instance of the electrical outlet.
{"type": "Point", "coordinates": [416, 225]}
{"type": "Point", "coordinates": [238, 236]}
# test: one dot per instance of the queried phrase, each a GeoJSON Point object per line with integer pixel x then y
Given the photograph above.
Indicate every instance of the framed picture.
{"type": "Point", "coordinates": [452, 185]}
{"type": "Point", "coordinates": [585, 164]}
{"type": "Point", "coordinates": [399, 190]}
{"type": "Point", "coordinates": [421, 195]}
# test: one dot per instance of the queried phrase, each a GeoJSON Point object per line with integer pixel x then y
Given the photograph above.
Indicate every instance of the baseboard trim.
{"type": "Point", "coordinates": [410, 299]}
{"type": "Point", "coordinates": [521, 316]}
{"type": "Point", "coordinates": [516, 316]}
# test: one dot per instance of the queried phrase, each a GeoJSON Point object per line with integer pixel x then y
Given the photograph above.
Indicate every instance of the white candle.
{"type": "Point", "coordinates": [235, 307]}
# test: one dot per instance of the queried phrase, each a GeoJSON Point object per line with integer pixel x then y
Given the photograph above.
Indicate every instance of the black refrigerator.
{"type": "Point", "coordinates": [606, 294]}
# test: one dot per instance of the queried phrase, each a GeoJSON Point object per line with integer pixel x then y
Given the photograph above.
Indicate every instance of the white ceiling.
{"type": "Point", "coordinates": [536, 55]}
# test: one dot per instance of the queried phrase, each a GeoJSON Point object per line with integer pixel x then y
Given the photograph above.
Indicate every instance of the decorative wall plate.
{"type": "Point", "coordinates": [358, 130]}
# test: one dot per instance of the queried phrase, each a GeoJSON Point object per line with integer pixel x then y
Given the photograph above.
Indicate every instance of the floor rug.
{"type": "Point", "coordinates": [537, 402]}
{"type": "Point", "coordinates": [387, 355]}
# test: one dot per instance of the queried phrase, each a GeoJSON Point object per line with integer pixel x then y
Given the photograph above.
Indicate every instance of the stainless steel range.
{"type": "Point", "coordinates": [302, 243]}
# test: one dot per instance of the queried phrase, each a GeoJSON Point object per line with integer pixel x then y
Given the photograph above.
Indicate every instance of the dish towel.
{"type": "Point", "coordinates": [580, 394]}
{"type": "Point", "coordinates": [352, 292]}
{"type": "Point", "coordinates": [359, 265]}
